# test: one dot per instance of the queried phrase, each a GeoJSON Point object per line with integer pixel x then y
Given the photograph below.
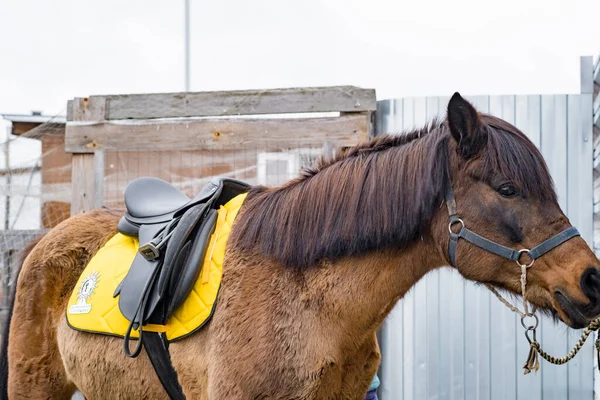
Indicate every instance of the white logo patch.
{"type": "Point", "coordinates": [85, 292]}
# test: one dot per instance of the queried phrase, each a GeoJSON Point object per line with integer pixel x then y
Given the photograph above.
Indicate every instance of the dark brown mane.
{"type": "Point", "coordinates": [377, 144]}
{"type": "Point", "coordinates": [379, 194]}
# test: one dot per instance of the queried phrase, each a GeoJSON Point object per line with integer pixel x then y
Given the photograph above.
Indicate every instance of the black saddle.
{"type": "Point", "coordinates": [173, 231]}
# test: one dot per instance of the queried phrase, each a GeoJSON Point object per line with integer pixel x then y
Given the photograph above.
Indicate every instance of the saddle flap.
{"type": "Point", "coordinates": [140, 277]}
{"type": "Point", "coordinates": [183, 232]}
{"type": "Point", "coordinates": [187, 225]}
{"type": "Point", "coordinates": [189, 262]}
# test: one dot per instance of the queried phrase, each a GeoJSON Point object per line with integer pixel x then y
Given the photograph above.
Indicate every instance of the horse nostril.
{"type": "Point", "coordinates": [590, 283]}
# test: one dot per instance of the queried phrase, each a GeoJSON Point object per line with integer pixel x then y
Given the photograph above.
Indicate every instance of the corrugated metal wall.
{"type": "Point", "coordinates": [449, 339]}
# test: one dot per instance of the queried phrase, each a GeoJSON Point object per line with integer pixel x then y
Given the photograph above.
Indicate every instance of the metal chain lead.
{"type": "Point", "coordinates": [532, 363]}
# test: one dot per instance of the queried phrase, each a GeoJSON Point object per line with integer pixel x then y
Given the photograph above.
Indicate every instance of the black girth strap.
{"type": "Point", "coordinates": [493, 247]}
{"type": "Point", "coordinates": [157, 349]}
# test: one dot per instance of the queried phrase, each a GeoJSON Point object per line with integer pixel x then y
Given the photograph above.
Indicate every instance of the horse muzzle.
{"type": "Point", "coordinates": [580, 314]}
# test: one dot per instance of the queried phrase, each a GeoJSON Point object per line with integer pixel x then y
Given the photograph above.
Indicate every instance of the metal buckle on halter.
{"type": "Point", "coordinates": [452, 223]}
{"type": "Point", "coordinates": [528, 252]}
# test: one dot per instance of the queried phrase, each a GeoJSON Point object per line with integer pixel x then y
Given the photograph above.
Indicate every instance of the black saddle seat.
{"type": "Point", "coordinates": [151, 197]}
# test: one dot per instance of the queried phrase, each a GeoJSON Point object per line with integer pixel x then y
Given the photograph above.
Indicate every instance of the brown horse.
{"type": "Point", "coordinates": [313, 267]}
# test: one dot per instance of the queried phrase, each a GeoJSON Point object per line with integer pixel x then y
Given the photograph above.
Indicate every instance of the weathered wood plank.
{"type": "Point", "coordinates": [88, 108]}
{"type": "Point", "coordinates": [82, 183]}
{"type": "Point", "coordinates": [70, 110]}
{"type": "Point", "coordinates": [243, 102]}
{"type": "Point", "coordinates": [205, 134]}
{"type": "Point", "coordinates": [98, 178]}
{"type": "Point", "coordinates": [370, 115]}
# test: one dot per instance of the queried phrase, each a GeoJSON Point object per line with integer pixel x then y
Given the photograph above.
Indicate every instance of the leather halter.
{"type": "Point", "coordinates": [496, 248]}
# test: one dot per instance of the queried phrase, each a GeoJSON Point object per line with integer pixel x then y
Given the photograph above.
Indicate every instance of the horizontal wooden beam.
{"type": "Point", "coordinates": [207, 104]}
{"type": "Point", "coordinates": [207, 134]}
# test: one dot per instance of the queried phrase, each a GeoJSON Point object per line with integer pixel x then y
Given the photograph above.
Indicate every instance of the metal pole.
{"type": "Point", "coordinates": [187, 45]}
{"type": "Point", "coordinates": [7, 254]}
{"type": "Point", "coordinates": [8, 179]}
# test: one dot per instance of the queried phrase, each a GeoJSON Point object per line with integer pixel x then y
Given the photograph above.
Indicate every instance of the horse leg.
{"type": "Point", "coordinates": [36, 368]}
{"type": "Point", "coordinates": [359, 374]}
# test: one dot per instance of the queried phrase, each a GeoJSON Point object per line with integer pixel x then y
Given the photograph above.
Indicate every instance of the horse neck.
{"type": "Point", "coordinates": [359, 204]}
{"type": "Point", "coordinates": [358, 292]}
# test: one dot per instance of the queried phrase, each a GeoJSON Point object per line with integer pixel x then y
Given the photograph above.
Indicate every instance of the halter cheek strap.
{"type": "Point", "coordinates": [493, 247]}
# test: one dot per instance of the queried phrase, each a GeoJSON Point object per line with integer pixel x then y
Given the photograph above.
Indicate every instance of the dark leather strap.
{"type": "Point", "coordinates": [553, 242]}
{"type": "Point", "coordinates": [452, 245]}
{"type": "Point", "coordinates": [157, 349]}
{"type": "Point", "coordinates": [136, 323]}
{"type": "Point", "coordinates": [488, 245]}
{"type": "Point", "coordinates": [450, 202]}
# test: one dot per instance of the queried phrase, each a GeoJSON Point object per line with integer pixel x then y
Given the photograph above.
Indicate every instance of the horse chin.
{"type": "Point", "coordinates": [568, 313]}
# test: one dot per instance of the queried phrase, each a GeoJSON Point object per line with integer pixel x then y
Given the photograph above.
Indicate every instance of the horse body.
{"type": "Point", "coordinates": [313, 268]}
{"type": "Point", "coordinates": [272, 336]}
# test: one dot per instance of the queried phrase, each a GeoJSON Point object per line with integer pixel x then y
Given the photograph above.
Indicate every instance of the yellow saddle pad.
{"type": "Point", "coordinates": [92, 307]}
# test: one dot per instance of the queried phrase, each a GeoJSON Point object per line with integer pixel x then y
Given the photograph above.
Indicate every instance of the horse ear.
{"type": "Point", "coordinates": [465, 126]}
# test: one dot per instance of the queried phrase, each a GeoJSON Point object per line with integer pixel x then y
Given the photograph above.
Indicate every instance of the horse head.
{"type": "Point", "coordinates": [504, 194]}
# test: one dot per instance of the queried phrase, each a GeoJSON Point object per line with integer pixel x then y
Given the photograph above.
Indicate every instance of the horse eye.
{"type": "Point", "coordinates": [508, 190]}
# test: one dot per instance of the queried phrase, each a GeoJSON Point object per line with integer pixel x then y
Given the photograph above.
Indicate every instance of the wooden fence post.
{"type": "Point", "coordinates": [87, 174]}
{"type": "Point", "coordinates": [82, 183]}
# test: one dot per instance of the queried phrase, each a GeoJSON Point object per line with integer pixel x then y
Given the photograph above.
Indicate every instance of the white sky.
{"type": "Point", "coordinates": [54, 50]}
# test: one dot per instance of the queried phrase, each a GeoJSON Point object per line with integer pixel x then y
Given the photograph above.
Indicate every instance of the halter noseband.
{"type": "Point", "coordinates": [496, 248]}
